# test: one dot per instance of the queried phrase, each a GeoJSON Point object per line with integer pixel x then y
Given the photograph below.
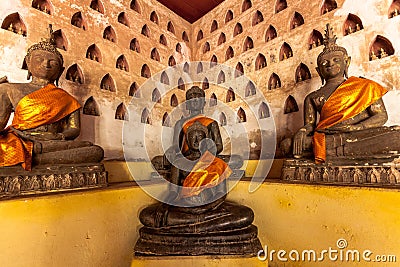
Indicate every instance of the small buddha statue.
{"type": "Point", "coordinates": [46, 118]}
{"type": "Point", "coordinates": [373, 56]}
{"type": "Point", "coordinates": [353, 131]}
{"type": "Point", "coordinates": [382, 53]}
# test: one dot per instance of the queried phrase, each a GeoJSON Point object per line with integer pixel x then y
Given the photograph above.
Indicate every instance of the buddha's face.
{"type": "Point", "coordinates": [332, 65]}
{"type": "Point", "coordinates": [194, 137]}
{"type": "Point", "coordinates": [44, 65]}
{"type": "Point", "coordinates": [195, 101]}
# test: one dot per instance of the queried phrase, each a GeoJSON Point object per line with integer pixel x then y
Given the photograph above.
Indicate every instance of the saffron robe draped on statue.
{"type": "Point", "coordinates": [200, 118]}
{"type": "Point", "coordinates": [351, 98]}
{"type": "Point", "coordinates": [42, 107]}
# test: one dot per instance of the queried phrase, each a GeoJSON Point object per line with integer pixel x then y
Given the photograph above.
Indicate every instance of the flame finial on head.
{"type": "Point", "coordinates": [330, 43]}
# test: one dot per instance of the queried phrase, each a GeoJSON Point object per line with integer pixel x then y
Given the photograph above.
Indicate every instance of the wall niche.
{"type": "Point", "coordinates": [145, 31]}
{"type": "Point", "coordinates": [248, 44]}
{"type": "Point", "coordinates": [229, 53]}
{"type": "Point", "coordinates": [246, 5]}
{"type": "Point", "coordinates": [186, 67]}
{"type": "Point", "coordinates": [145, 72]}
{"type": "Point", "coordinates": [285, 52]}
{"type": "Point", "coordinates": [261, 62]}
{"type": "Point", "coordinates": [93, 53]}
{"type": "Point", "coordinates": [121, 113]}
{"type": "Point", "coordinates": [109, 34]}
{"type": "Point", "coordinates": [75, 74]}
{"type": "Point", "coordinates": [274, 82]}
{"type": "Point", "coordinates": [206, 47]}
{"type": "Point", "coordinates": [270, 33]}
{"type": "Point", "coordinates": [163, 40]}
{"type": "Point", "coordinates": [15, 24]}
{"type": "Point", "coordinates": [352, 24]}
{"type": "Point", "coordinates": [213, 61]}
{"type": "Point", "coordinates": [178, 48]}
{"type": "Point", "coordinates": [297, 20]}
{"type": "Point", "coordinates": [257, 18]}
{"type": "Point", "coordinates": [134, 90]}
{"type": "Point", "coordinates": [238, 29]}
{"type": "Point", "coordinates": [166, 120]}
{"type": "Point", "coordinates": [156, 96]}
{"type": "Point", "coordinates": [328, 6]}
{"type": "Point", "coordinates": [135, 45]}
{"type": "Point", "coordinates": [228, 16]}
{"type": "Point", "coordinates": [222, 119]}
{"type": "Point", "coordinates": [394, 9]}
{"type": "Point", "coordinates": [221, 77]}
{"type": "Point", "coordinates": [97, 5]}
{"type": "Point", "coordinates": [221, 39]}
{"type": "Point", "coordinates": [185, 37]}
{"type": "Point", "coordinates": [123, 19]}
{"type": "Point", "coordinates": [107, 83]}
{"type": "Point", "coordinates": [181, 84]}
{"type": "Point", "coordinates": [154, 55]}
{"type": "Point", "coordinates": [173, 101]}
{"type": "Point", "coordinates": [213, 100]}
{"type": "Point", "coordinates": [239, 71]}
{"type": "Point", "coordinates": [315, 39]}
{"type": "Point", "coordinates": [302, 73]}
{"type": "Point", "coordinates": [135, 6]}
{"type": "Point", "coordinates": [170, 27]}
{"type": "Point", "coordinates": [290, 105]}
{"type": "Point", "coordinates": [381, 47]}
{"type": "Point", "coordinates": [199, 35]}
{"type": "Point", "coordinates": [280, 5]}
{"type": "Point", "coordinates": [250, 89]}
{"type": "Point", "coordinates": [199, 68]}
{"type": "Point", "coordinates": [91, 107]}
{"type": "Point", "coordinates": [78, 20]}
{"type": "Point", "coordinates": [241, 116]}
{"type": "Point", "coordinates": [171, 61]}
{"type": "Point", "coordinates": [164, 78]}
{"type": "Point", "coordinates": [263, 111]}
{"type": "Point", "coordinates": [154, 17]}
{"type": "Point", "coordinates": [60, 39]}
{"type": "Point", "coordinates": [214, 26]}
{"type": "Point", "coordinates": [44, 6]}
{"type": "Point", "coordinates": [205, 85]}
{"type": "Point", "coordinates": [145, 118]}
{"type": "Point", "coordinates": [122, 63]}
{"type": "Point", "coordinates": [230, 95]}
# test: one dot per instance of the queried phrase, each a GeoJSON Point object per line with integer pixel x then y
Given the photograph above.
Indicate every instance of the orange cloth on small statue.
{"type": "Point", "coordinates": [208, 172]}
{"type": "Point", "coordinates": [44, 106]}
{"type": "Point", "coordinates": [349, 99]}
{"type": "Point", "coordinates": [200, 118]}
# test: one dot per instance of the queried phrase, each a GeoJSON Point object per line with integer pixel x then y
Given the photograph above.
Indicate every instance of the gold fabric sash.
{"type": "Point", "coordinates": [208, 172]}
{"type": "Point", "coordinates": [349, 99]}
{"type": "Point", "coordinates": [200, 118]}
{"type": "Point", "coordinates": [44, 106]}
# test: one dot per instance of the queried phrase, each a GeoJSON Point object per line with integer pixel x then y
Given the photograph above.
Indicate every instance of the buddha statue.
{"type": "Point", "coordinates": [351, 115]}
{"type": "Point", "coordinates": [195, 219]}
{"type": "Point", "coordinates": [46, 118]}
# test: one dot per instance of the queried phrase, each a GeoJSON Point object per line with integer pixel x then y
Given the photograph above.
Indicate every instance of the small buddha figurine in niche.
{"type": "Point", "coordinates": [46, 118]}
{"type": "Point", "coordinates": [351, 115]}
{"type": "Point", "coordinates": [195, 218]}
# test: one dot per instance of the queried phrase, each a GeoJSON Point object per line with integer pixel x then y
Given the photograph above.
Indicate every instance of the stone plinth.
{"type": "Point", "coordinates": [15, 181]}
{"type": "Point", "coordinates": [197, 262]}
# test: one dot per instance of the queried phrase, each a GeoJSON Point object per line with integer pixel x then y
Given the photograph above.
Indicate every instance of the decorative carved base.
{"type": "Point", "coordinates": [367, 174]}
{"type": "Point", "coordinates": [15, 181]}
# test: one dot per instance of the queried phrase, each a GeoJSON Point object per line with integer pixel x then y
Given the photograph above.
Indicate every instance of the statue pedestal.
{"type": "Point", "coordinates": [197, 261]}
{"type": "Point", "coordinates": [15, 181]}
{"type": "Point", "coordinates": [373, 174]}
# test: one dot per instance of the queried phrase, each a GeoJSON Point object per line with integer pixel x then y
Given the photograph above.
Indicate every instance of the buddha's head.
{"type": "Point", "coordinates": [333, 61]}
{"type": "Point", "coordinates": [44, 61]}
{"type": "Point", "coordinates": [195, 99]}
{"type": "Point", "coordinates": [195, 134]}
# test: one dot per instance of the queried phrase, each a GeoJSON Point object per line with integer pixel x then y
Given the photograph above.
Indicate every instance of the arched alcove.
{"type": "Point", "coordinates": [145, 72]}
{"type": "Point", "coordinates": [173, 101]}
{"type": "Point", "coordinates": [290, 105]}
{"type": "Point", "coordinates": [186, 67]}
{"type": "Point", "coordinates": [15, 24]}
{"type": "Point", "coordinates": [213, 100]}
{"type": "Point", "coordinates": [213, 61]}
{"type": "Point", "coordinates": [248, 44]}
{"type": "Point", "coordinates": [109, 34]}
{"type": "Point", "coordinates": [154, 17]}
{"type": "Point", "coordinates": [145, 118]}
{"type": "Point", "coordinates": [44, 6]}
{"type": "Point", "coordinates": [257, 18]}
{"type": "Point", "coordinates": [134, 90]}
{"type": "Point", "coordinates": [199, 35]}
{"type": "Point", "coordinates": [181, 84]}
{"type": "Point", "coordinates": [75, 74]}
{"type": "Point", "coordinates": [263, 111]}
{"type": "Point", "coordinates": [97, 5]}
{"type": "Point", "coordinates": [296, 21]}
{"type": "Point", "coordinates": [285, 52]}
{"type": "Point", "coordinates": [199, 67]}
{"type": "Point", "coordinates": [214, 26]}
{"type": "Point", "coordinates": [381, 47]}
{"type": "Point", "coordinates": [60, 39]}
{"type": "Point", "coordinates": [228, 16]}
{"type": "Point", "coordinates": [280, 5]}
{"type": "Point", "coordinates": [154, 54]}
{"type": "Point", "coordinates": [135, 6]}
{"type": "Point", "coordinates": [328, 6]}
{"type": "Point", "coordinates": [164, 78]}
{"type": "Point", "coordinates": [221, 39]}
{"type": "Point", "coordinates": [246, 5]}
{"type": "Point", "coordinates": [163, 40]}
{"type": "Point", "coordinates": [91, 107]}
{"type": "Point", "coordinates": [241, 116]}
{"type": "Point", "coordinates": [270, 33]}
{"type": "Point", "coordinates": [166, 120]}
{"type": "Point", "coordinates": [238, 29]}
{"type": "Point", "coordinates": [315, 39]}
{"type": "Point", "coordinates": [394, 9]}
{"type": "Point", "coordinates": [156, 96]}
{"type": "Point", "coordinates": [178, 48]}
{"type": "Point", "coordinates": [206, 47]}
{"type": "Point", "coordinates": [261, 62]}
{"type": "Point", "coordinates": [171, 61]}
{"type": "Point", "coordinates": [250, 89]}
{"type": "Point", "coordinates": [302, 73]}
{"type": "Point", "coordinates": [170, 27]}
{"type": "Point", "coordinates": [185, 36]}
{"type": "Point", "coordinates": [93, 53]}
{"type": "Point", "coordinates": [79, 21]}
{"type": "Point", "coordinates": [229, 53]}
{"type": "Point", "coordinates": [274, 82]}
{"type": "Point", "coordinates": [107, 83]}
{"type": "Point", "coordinates": [221, 77]}
{"type": "Point", "coordinates": [122, 63]}
{"type": "Point", "coordinates": [135, 45]}
{"type": "Point", "coordinates": [230, 95]}
{"type": "Point", "coordinates": [239, 71]}
{"type": "Point", "coordinates": [352, 24]}
{"type": "Point", "coordinates": [205, 85]}
{"type": "Point", "coordinates": [121, 113]}
{"type": "Point", "coordinates": [123, 19]}
{"type": "Point", "coordinates": [222, 119]}
{"type": "Point", "coordinates": [145, 31]}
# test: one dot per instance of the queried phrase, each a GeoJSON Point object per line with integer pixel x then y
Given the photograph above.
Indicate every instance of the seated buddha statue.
{"type": "Point", "coordinates": [344, 119]}
{"type": "Point", "coordinates": [46, 118]}
{"type": "Point", "coordinates": [195, 219]}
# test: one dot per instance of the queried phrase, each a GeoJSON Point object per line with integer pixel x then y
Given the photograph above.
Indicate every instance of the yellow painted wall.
{"type": "Point", "coordinates": [99, 227]}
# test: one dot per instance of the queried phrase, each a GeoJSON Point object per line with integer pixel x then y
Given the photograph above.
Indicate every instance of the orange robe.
{"type": "Point", "coordinates": [208, 172]}
{"type": "Point", "coordinates": [349, 99]}
{"type": "Point", "coordinates": [44, 106]}
{"type": "Point", "coordinates": [200, 118]}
